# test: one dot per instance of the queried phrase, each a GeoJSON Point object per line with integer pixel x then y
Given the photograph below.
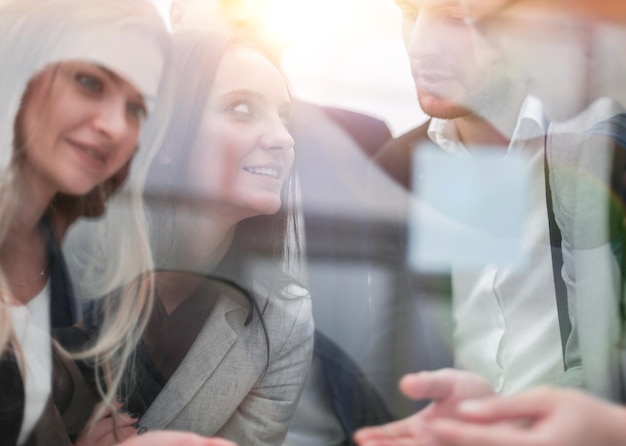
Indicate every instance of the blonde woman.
{"type": "Point", "coordinates": [76, 83]}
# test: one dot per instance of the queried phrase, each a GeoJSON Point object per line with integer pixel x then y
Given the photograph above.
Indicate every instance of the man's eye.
{"type": "Point", "coordinates": [409, 9]}
{"type": "Point", "coordinates": [458, 16]}
{"type": "Point", "coordinates": [409, 13]}
{"type": "Point", "coordinates": [450, 13]}
{"type": "Point", "coordinates": [90, 82]}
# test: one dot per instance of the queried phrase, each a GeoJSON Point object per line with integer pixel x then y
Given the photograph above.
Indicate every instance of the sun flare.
{"type": "Point", "coordinates": [292, 22]}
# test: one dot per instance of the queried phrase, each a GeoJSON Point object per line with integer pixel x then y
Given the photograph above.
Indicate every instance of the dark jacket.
{"type": "Point", "coordinates": [71, 403]}
{"type": "Point", "coordinates": [355, 401]}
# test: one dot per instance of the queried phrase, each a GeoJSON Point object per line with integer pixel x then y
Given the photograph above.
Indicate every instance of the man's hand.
{"type": "Point", "coordinates": [447, 388]}
{"type": "Point", "coordinates": [172, 438]}
{"type": "Point", "coordinates": [542, 417]}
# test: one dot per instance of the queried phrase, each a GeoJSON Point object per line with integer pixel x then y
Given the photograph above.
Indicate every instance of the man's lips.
{"type": "Point", "coordinates": [435, 83]}
{"type": "Point", "coordinates": [433, 77]}
{"type": "Point", "coordinates": [431, 71]}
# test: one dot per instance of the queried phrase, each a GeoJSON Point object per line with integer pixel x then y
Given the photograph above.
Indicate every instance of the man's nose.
{"type": "Point", "coordinates": [426, 36]}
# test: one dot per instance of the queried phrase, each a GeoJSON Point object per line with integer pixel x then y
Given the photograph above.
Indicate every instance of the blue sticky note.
{"type": "Point", "coordinates": [467, 211]}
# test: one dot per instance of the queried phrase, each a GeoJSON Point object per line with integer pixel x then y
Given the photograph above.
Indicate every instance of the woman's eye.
{"type": "Point", "coordinates": [91, 83]}
{"type": "Point", "coordinates": [137, 110]}
{"type": "Point", "coordinates": [241, 108]}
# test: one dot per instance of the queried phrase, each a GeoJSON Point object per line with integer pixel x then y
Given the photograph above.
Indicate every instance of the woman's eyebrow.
{"type": "Point", "coordinates": [117, 79]}
{"type": "Point", "coordinates": [243, 92]}
{"type": "Point", "coordinates": [111, 74]}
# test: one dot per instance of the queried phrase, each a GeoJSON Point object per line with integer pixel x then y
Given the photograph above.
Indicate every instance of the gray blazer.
{"type": "Point", "coordinates": [222, 387]}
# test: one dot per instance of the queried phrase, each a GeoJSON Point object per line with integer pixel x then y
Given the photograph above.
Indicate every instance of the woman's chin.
{"type": "Point", "coordinates": [264, 206]}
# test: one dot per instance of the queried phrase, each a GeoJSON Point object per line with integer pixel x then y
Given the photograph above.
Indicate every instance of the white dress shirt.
{"type": "Point", "coordinates": [31, 323]}
{"type": "Point", "coordinates": [506, 322]}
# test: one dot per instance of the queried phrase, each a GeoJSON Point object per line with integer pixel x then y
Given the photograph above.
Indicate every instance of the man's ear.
{"type": "Point", "coordinates": [177, 15]}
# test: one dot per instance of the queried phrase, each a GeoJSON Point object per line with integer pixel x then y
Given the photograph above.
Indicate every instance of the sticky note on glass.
{"type": "Point", "coordinates": [468, 211]}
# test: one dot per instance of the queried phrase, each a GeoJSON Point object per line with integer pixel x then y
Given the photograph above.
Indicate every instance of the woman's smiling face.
{"type": "Point", "coordinates": [243, 151]}
{"type": "Point", "coordinates": [79, 125]}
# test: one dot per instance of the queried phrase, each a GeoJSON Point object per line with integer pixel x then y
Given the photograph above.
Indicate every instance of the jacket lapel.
{"type": "Point", "coordinates": [205, 355]}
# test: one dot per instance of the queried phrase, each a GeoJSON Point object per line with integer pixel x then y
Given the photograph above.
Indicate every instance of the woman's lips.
{"type": "Point", "coordinates": [93, 155]}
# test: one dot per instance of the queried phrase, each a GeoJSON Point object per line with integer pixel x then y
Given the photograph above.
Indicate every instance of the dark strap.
{"type": "Point", "coordinates": [560, 290]}
{"type": "Point", "coordinates": [62, 299]}
{"type": "Point", "coordinates": [354, 399]}
{"type": "Point", "coordinates": [11, 399]}
{"type": "Point", "coordinates": [615, 128]}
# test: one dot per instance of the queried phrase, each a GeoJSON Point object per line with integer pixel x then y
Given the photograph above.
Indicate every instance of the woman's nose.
{"type": "Point", "coordinates": [111, 119]}
{"type": "Point", "coordinates": [277, 137]}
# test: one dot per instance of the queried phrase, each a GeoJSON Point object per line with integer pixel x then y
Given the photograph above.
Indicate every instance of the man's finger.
{"type": "Point", "coordinates": [437, 385]}
{"type": "Point", "coordinates": [172, 438]}
{"type": "Point", "coordinates": [455, 433]}
{"type": "Point", "coordinates": [409, 429]}
{"type": "Point", "coordinates": [530, 405]}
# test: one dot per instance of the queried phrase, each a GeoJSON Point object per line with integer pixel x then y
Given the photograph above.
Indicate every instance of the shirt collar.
{"type": "Point", "coordinates": [443, 132]}
{"type": "Point", "coordinates": [531, 123]}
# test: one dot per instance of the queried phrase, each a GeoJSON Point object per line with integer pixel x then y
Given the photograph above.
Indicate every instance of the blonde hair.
{"type": "Point", "coordinates": [33, 35]}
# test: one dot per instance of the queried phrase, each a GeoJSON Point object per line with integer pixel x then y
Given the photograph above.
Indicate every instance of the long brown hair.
{"type": "Point", "coordinates": [196, 56]}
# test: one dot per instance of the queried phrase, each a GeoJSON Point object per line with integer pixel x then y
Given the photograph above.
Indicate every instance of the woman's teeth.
{"type": "Point", "coordinates": [267, 171]}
